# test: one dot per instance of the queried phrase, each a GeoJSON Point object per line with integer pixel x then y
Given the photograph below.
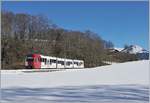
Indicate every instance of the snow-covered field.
{"type": "Point", "coordinates": [117, 83]}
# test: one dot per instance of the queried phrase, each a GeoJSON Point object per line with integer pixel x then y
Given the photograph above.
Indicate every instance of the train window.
{"type": "Point", "coordinates": [80, 63]}
{"type": "Point", "coordinates": [52, 60]}
{"type": "Point", "coordinates": [68, 63]}
{"type": "Point", "coordinates": [45, 60]}
{"type": "Point", "coordinates": [29, 59]}
{"type": "Point", "coordinates": [76, 63]}
{"type": "Point", "coordinates": [42, 60]}
{"type": "Point", "coordinates": [61, 62]}
{"type": "Point", "coordinates": [58, 62]}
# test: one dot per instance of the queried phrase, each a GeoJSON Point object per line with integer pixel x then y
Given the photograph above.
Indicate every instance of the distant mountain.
{"type": "Point", "coordinates": [134, 49]}
{"type": "Point", "coordinates": [138, 50]}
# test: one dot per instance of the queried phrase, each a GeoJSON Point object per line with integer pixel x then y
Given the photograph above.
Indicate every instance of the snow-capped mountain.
{"type": "Point", "coordinates": [139, 51]}
{"type": "Point", "coordinates": [134, 49]}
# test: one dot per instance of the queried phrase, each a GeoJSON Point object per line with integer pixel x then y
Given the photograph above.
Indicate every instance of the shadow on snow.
{"type": "Point", "coordinates": [99, 93]}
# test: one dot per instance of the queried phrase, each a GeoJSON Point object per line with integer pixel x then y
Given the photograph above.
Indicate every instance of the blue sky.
{"type": "Point", "coordinates": [120, 22]}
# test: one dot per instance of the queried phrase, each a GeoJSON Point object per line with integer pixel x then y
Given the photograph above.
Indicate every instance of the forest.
{"type": "Point", "coordinates": [23, 34]}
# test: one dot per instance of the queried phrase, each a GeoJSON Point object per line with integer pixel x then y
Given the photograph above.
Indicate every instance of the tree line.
{"type": "Point", "coordinates": [24, 34]}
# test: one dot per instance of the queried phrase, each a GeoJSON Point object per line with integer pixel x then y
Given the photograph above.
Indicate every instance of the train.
{"type": "Point", "coordinates": [38, 61]}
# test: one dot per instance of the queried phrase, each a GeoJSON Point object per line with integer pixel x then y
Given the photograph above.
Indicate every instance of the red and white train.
{"type": "Point", "coordinates": [38, 61]}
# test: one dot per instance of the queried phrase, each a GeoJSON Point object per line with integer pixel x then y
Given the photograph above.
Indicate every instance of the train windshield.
{"type": "Point", "coordinates": [29, 59]}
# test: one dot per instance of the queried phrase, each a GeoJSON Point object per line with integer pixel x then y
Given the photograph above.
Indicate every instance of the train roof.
{"type": "Point", "coordinates": [33, 55]}
{"type": "Point", "coordinates": [43, 56]}
{"type": "Point", "coordinates": [78, 60]}
{"type": "Point", "coordinates": [51, 57]}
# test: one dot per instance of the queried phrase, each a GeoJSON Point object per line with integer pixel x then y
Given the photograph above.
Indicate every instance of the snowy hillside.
{"type": "Point", "coordinates": [117, 83]}
{"type": "Point", "coordinates": [123, 73]}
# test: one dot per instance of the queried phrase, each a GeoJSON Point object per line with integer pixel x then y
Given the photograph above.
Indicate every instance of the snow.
{"type": "Point", "coordinates": [119, 49]}
{"type": "Point", "coordinates": [116, 83]}
{"type": "Point", "coordinates": [124, 73]}
{"type": "Point", "coordinates": [78, 94]}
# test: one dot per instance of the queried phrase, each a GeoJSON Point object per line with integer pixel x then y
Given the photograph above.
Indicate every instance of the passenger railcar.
{"type": "Point", "coordinates": [38, 61]}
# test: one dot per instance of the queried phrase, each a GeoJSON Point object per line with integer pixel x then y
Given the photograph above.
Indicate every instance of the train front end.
{"type": "Point", "coordinates": [33, 61]}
